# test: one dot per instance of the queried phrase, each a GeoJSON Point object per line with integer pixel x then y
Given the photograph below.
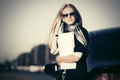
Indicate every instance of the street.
{"type": "Point", "coordinates": [20, 75]}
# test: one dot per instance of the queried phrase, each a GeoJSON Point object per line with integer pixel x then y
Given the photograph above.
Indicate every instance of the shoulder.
{"type": "Point", "coordinates": [85, 32]}
{"type": "Point", "coordinates": [83, 29]}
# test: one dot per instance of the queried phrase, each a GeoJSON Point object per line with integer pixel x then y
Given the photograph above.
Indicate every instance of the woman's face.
{"type": "Point", "coordinates": [68, 16]}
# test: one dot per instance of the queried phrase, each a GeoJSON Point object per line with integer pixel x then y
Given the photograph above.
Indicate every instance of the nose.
{"type": "Point", "coordinates": [69, 15]}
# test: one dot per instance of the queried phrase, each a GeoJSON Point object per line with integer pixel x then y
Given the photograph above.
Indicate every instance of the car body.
{"type": "Point", "coordinates": [104, 51]}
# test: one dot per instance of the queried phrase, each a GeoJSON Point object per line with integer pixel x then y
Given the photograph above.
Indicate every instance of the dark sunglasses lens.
{"type": "Point", "coordinates": [71, 14]}
{"type": "Point", "coordinates": [65, 15]}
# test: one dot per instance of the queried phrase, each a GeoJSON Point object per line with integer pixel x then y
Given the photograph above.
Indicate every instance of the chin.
{"type": "Point", "coordinates": [70, 23]}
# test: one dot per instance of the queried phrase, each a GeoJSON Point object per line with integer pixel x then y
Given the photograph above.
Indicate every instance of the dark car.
{"type": "Point", "coordinates": [104, 51]}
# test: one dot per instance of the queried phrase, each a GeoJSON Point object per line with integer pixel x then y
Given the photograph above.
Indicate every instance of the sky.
{"type": "Point", "coordinates": [27, 23]}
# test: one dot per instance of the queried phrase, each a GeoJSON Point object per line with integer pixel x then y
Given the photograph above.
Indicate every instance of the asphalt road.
{"type": "Point", "coordinates": [20, 75]}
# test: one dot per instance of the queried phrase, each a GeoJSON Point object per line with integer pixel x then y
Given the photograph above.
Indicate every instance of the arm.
{"type": "Point", "coordinates": [70, 58]}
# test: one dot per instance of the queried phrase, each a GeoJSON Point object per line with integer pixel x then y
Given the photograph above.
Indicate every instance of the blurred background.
{"type": "Point", "coordinates": [25, 27]}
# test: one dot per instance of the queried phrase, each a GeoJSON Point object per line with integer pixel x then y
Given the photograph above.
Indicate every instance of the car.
{"type": "Point", "coordinates": [104, 51]}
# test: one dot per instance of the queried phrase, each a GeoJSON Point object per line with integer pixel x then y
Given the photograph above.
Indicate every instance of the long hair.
{"type": "Point", "coordinates": [56, 24]}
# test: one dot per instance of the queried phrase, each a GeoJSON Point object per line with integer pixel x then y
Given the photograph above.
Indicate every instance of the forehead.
{"type": "Point", "coordinates": [67, 10]}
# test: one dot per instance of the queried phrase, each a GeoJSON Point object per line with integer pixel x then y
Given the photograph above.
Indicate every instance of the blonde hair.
{"type": "Point", "coordinates": [56, 26]}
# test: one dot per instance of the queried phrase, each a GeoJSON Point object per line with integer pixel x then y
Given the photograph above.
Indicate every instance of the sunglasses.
{"type": "Point", "coordinates": [68, 14]}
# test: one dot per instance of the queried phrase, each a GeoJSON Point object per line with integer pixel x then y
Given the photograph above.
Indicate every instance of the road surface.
{"type": "Point", "coordinates": [20, 75]}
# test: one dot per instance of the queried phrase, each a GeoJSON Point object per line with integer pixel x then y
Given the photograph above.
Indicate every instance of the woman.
{"type": "Point", "coordinates": [68, 20]}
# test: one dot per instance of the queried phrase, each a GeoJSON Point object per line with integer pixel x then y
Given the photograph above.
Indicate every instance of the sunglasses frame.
{"type": "Point", "coordinates": [68, 14]}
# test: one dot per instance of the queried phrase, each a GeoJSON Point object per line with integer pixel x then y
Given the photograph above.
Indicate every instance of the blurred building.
{"type": "Point", "coordinates": [39, 55]}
